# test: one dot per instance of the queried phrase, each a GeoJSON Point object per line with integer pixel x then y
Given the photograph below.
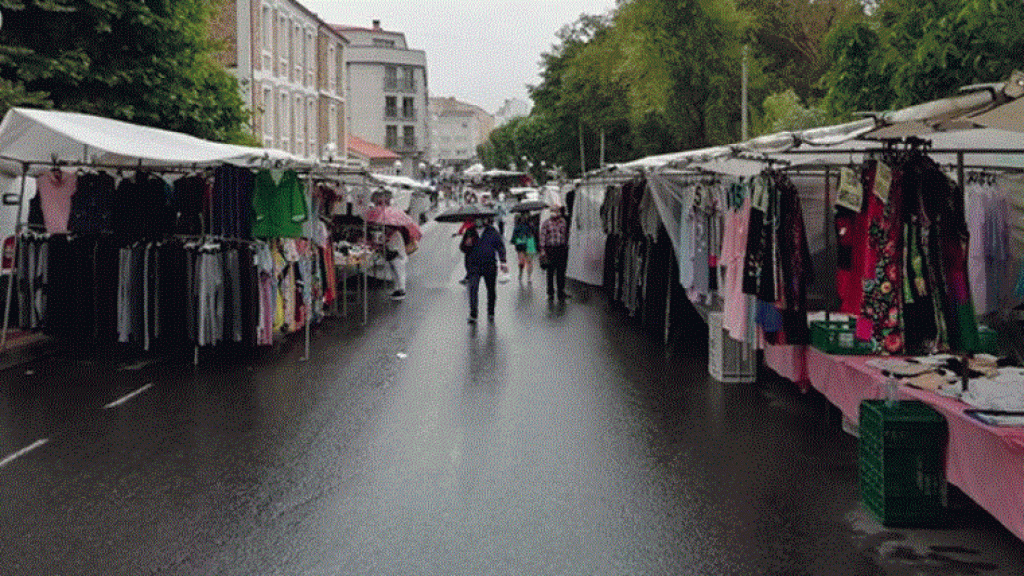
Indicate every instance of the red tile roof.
{"type": "Point", "coordinates": [369, 149]}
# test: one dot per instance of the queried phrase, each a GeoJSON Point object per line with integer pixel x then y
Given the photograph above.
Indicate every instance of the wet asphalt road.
{"type": "Point", "coordinates": [559, 440]}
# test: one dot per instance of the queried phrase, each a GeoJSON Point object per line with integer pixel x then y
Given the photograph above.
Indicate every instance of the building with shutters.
{"type": "Point", "coordinates": [291, 68]}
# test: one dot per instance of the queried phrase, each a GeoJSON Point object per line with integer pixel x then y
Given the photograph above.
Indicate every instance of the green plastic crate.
{"type": "Point", "coordinates": [988, 341]}
{"type": "Point", "coordinates": [902, 462]}
{"type": "Point", "coordinates": [838, 337]}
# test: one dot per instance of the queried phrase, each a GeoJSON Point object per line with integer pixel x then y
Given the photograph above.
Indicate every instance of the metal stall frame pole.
{"type": "Point", "coordinates": [668, 307]}
{"type": "Point", "coordinates": [828, 232]}
{"type": "Point", "coordinates": [363, 269]}
{"type": "Point", "coordinates": [14, 267]}
{"type": "Point", "coordinates": [312, 208]}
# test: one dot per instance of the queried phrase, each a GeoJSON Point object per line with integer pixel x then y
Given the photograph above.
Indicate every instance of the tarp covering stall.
{"type": "Point", "coordinates": [41, 138]}
{"type": "Point", "coordinates": [34, 141]}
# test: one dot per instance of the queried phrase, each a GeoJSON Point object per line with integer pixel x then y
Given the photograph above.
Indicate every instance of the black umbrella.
{"type": "Point", "coordinates": [464, 212]}
{"type": "Point", "coordinates": [529, 206]}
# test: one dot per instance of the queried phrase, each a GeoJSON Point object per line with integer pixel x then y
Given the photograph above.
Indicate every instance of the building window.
{"type": "Point", "coordinates": [298, 112]}
{"type": "Point", "coordinates": [298, 54]}
{"type": "Point", "coordinates": [409, 137]}
{"type": "Point", "coordinates": [267, 37]}
{"type": "Point", "coordinates": [311, 128]}
{"type": "Point", "coordinates": [339, 63]}
{"type": "Point", "coordinates": [409, 108]}
{"type": "Point", "coordinates": [268, 117]}
{"type": "Point", "coordinates": [383, 43]}
{"type": "Point", "coordinates": [390, 79]}
{"type": "Point", "coordinates": [391, 107]}
{"type": "Point", "coordinates": [283, 31]}
{"type": "Point", "coordinates": [291, 54]}
{"type": "Point", "coordinates": [332, 80]}
{"type": "Point", "coordinates": [332, 121]}
{"type": "Point", "coordinates": [408, 79]}
{"type": "Point", "coordinates": [282, 132]}
{"type": "Point", "coordinates": [310, 44]}
{"type": "Point", "coordinates": [391, 137]}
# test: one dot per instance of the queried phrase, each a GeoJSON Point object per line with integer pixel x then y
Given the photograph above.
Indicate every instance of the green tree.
{"type": "Point", "coordinates": [151, 62]}
{"type": "Point", "coordinates": [786, 41]}
{"type": "Point", "coordinates": [575, 96]}
{"type": "Point", "coordinates": [913, 51]}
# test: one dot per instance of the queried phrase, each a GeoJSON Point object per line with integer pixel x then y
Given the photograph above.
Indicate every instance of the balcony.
{"type": "Point", "coordinates": [405, 86]}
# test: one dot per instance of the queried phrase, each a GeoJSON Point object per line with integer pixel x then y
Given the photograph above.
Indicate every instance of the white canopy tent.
{"type": "Point", "coordinates": [981, 130]}
{"type": "Point", "coordinates": [33, 139]}
{"type": "Point", "coordinates": [403, 182]}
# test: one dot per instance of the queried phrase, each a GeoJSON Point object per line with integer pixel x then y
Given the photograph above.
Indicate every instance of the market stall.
{"type": "Point", "coordinates": [897, 236]}
{"type": "Point", "coordinates": [145, 237]}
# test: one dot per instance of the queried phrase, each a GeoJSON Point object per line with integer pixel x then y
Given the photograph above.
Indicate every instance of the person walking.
{"type": "Point", "coordinates": [524, 238]}
{"type": "Point", "coordinates": [484, 249]}
{"type": "Point", "coordinates": [397, 259]}
{"type": "Point", "coordinates": [554, 250]}
{"type": "Point", "coordinates": [500, 212]}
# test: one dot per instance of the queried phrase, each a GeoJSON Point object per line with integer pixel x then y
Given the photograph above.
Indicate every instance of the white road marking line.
{"type": "Point", "coordinates": [138, 365]}
{"type": "Point", "coordinates": [7, 460]}
{"type": "Point", "coordinates": [128, 397]}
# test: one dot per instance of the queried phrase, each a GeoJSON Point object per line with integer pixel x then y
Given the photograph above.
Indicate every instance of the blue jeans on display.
{"type": "Point", "coordinates": [490, 278]}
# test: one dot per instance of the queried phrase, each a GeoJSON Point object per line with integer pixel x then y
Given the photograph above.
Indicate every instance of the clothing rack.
{"type": "Point", "coordinates": [56, 163]}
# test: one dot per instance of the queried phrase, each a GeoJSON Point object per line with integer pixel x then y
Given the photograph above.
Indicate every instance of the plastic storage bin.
{"type": "Point", "coordinates": [902, 463]}
{"type": "Point", "coordinates": [838, 337]}
{"type": "Point", "coordinates": [728, 360]}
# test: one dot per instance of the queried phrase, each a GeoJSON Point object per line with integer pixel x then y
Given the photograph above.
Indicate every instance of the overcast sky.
{"type": "Point", "coordinates": [479, 51]}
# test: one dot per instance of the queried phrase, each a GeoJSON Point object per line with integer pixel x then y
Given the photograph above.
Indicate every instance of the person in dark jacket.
{"type": "Point", "coordinates": [484, 249]}
{"type": "Point", "coordinates": [554, 249]}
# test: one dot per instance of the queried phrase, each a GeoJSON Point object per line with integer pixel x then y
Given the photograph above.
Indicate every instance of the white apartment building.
{"type": "Point", "coordinates": [291, 67]}
{"type": "Point", "coordinates": [457, 128]}
{"type": "Point", "coordinates": [387, 92]}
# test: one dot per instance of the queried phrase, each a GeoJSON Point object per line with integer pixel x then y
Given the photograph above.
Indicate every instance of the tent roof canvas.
{"type": "Point", "coordinates": [43, 137]}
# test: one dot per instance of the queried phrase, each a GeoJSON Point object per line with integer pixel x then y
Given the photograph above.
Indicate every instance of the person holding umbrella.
{"type": "Point", "coordinates": [484, 249]}
{"type": "Point", "coordinates": [524, 238]}
{"type": "Point", "coordinates": [401, 235]}
{"type": "Point", "coordinates": [466, 226]}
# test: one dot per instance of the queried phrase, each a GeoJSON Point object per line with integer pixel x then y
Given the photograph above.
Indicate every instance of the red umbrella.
{"type": "Point", "coordinates": [391, 216]}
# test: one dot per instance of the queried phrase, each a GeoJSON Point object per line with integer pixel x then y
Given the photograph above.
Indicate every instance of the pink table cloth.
{"type": "Point", "coordinates": [844, 380]}
{"type": "Point", "coordinates": [790, 362]}
{"type": "Point", "coordinates": [985, 462]}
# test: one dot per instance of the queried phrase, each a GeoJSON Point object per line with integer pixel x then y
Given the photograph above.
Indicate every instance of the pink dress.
{"type": "Point", "coordinates": [734, 246]}
{"type": "Point", "coordinates": [55, 189]}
